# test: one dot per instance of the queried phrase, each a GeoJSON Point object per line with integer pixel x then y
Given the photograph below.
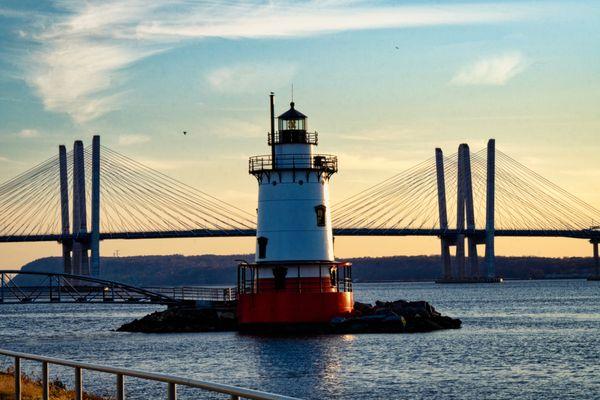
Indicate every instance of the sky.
{"type": "Point", "coordinates": [383, 83]}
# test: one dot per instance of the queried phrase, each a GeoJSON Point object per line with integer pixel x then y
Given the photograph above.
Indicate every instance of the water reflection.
{"type": "Point", "coordinates": [520, 340]}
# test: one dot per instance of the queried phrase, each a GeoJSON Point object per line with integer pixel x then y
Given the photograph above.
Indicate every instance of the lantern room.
{"type": "Point", "coordinates": [292, 128]}
{"type": "Point", "coordinates": [292, 120]}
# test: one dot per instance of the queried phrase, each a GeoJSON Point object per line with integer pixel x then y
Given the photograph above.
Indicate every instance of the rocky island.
{"type": "Point", "coordinates": [384, 317]}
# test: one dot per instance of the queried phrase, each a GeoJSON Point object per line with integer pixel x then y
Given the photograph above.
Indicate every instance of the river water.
{"type": "Point", "coordinates": [520, 340]}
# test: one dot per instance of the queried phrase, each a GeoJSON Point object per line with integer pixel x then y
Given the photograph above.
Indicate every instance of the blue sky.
{"type": "Point", "coordinates": [383, 82]}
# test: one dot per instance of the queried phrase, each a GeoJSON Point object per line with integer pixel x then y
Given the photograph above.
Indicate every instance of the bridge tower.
{"type": "Point", "coordinates": [465, 211]}
{"type": "Point", "coordinates": [80, 259]}
{"type": "Point", "coordinates": [79, 263]}
{"type": "Point", "coordinates": [295, 278]}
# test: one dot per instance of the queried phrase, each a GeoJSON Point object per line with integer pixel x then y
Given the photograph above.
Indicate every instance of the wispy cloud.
{"type": "Point", "coordinates": [493, 71]}
{"type": "Point", "coordinates": [28, 133]}
{"type": "Point", "coordinates": [248, 77]}
{"type": "Point", "coordinates": [128, 140]}
{"type": "Point", "coordinates": [83, 51]}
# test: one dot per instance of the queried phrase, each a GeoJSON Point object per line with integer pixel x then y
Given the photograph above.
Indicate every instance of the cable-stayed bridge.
{"type": "Point", "coordinates": [89, 194]}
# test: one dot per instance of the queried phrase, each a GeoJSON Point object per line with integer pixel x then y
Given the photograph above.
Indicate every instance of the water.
{"type": "Point", "coordinates": [520, 339]}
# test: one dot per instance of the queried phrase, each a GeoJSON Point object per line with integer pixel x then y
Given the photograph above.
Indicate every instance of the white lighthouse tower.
{"type": "Point", "coordinates": [295, 278]}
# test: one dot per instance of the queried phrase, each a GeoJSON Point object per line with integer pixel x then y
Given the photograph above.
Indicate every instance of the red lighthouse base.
{"type": "Point", "coordinates": [295, 300]}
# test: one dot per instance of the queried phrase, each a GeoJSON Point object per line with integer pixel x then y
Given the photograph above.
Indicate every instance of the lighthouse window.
{"type": "Point", "coordinates": [320, 210]}
{"type": "Point", "coordinates": [262, 246]}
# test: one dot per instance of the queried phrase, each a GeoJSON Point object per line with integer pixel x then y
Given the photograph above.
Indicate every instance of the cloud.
{"type": "Point", "coordinates": [83, 50]}
{"type": "Point", "coordinates": [250, 77]}
{"type": "Point", "coordinates": [128, 140]}
{"type": "Point", "coordinates": [28, 133]}
{"type": "Point", "coordinates": [492, 71]}
{"type": "Point", "coordinates": [4, 159]}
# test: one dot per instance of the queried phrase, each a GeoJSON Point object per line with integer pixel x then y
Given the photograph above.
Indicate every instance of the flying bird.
{"type": "Point", "coordinates": [184, 133]}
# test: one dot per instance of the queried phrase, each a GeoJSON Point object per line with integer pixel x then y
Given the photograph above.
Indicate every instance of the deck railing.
{"type": "Point", "coordinates": [196, 293]}
{"type": "Point", "coordinates": [325, 163]}
{"type": "Point", "coordinates": [172, 381]}
{"type": "Point", "coordinates": [337, 277]}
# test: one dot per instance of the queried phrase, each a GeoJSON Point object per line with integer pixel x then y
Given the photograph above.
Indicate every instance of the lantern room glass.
{"type": "Point", "coordinates": [292, 124]}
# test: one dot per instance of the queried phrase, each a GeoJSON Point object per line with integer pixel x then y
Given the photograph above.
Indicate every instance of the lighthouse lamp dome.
{"type": "Point", "coordinates": [292, 120]}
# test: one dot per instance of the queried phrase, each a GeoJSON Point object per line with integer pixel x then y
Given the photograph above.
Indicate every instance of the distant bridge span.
{"type": "Point", "coordinates": [591, 234]}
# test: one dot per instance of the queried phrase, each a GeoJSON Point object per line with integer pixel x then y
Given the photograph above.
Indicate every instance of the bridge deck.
{"type": "Point", "coordinates": [580, 234]}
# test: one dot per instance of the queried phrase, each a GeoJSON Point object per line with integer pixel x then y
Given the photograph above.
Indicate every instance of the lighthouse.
{"type": "Point", "coordinates": [295, 278]}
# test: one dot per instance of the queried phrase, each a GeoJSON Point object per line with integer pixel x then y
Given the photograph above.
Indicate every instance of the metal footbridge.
{"type": "Point", "coordinates": [23, 287]}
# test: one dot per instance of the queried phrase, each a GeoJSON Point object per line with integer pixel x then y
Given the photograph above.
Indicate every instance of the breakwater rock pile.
{"type": "Point", "coordinates": [394, 317]}
{"type": "Point", "coordinates": [384, 317]}
{"type": "Point", "coordinates": [184, 319]}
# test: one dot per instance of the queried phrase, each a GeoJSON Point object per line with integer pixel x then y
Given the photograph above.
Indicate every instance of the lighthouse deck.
{"type": "Point", "coordinates": [337, 279]}
{"type": "Point", "coordinates": [317, 162]}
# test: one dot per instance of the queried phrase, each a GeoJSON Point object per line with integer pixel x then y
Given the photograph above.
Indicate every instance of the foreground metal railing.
{"type": "Point", "coordinates": [234, 392]}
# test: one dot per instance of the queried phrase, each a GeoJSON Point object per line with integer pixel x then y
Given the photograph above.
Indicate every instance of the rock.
{"type": "Point", "coordinates": [362, 308]}
{"type": "Point", "coordinates": [183, 319]}
{"type": "Point", "coordinates": [385, 317]}
{"type": "Point", "coordinates": [396, 316]}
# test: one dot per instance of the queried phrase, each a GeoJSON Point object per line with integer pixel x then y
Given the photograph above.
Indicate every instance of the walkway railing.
{"type": "Point", "coordinates": [196, 293]}
{"type": "Point", "coordinates": [234, 392]}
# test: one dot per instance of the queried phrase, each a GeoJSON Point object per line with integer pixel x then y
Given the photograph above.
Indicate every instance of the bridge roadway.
{"type": "Point", "coordinates": [592, 234]}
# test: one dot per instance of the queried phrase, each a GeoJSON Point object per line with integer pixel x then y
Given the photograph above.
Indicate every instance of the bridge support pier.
{"type": "Point", "coordinates": [490, 255]}
{"type": "Point", "coordinates": [95, 237]}
{"type": "Point", "coordinates": [441, 190]}
{"type": "Point", "coordinates": [468, 198]}
{"type": "Point", "coordinates": [460, 215]}
{"type": "Point", "coordinates": [64, 209]}
{"type": "Point", "coordinates": [596, 274]}
{"type": "Point", "coordinates": [80, 262]}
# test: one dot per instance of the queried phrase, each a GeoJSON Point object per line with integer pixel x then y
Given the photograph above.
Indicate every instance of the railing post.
{"type": "Point", "coordinates": [320, 280]}
{"type": "Point", "coordinates": [45, 381]}
{"type": "Point", "coordinates": [2, 288]}
{"type": "Point", "coordinates": [120, 387]}
{"type": "Point", "coordinates": [235, 397]}
{"type": "Point", "coordinates": [172, 391]}
{"type": "Point", "coordinates": [18, 378]}
{"type": "Point", "coordinates": [78, 384]}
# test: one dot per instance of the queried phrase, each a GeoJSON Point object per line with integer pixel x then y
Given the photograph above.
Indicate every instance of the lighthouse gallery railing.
{"type": "Point", "coordinates": [318, 162]}
{"type": "Point", "coordinates": [338, 278]}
